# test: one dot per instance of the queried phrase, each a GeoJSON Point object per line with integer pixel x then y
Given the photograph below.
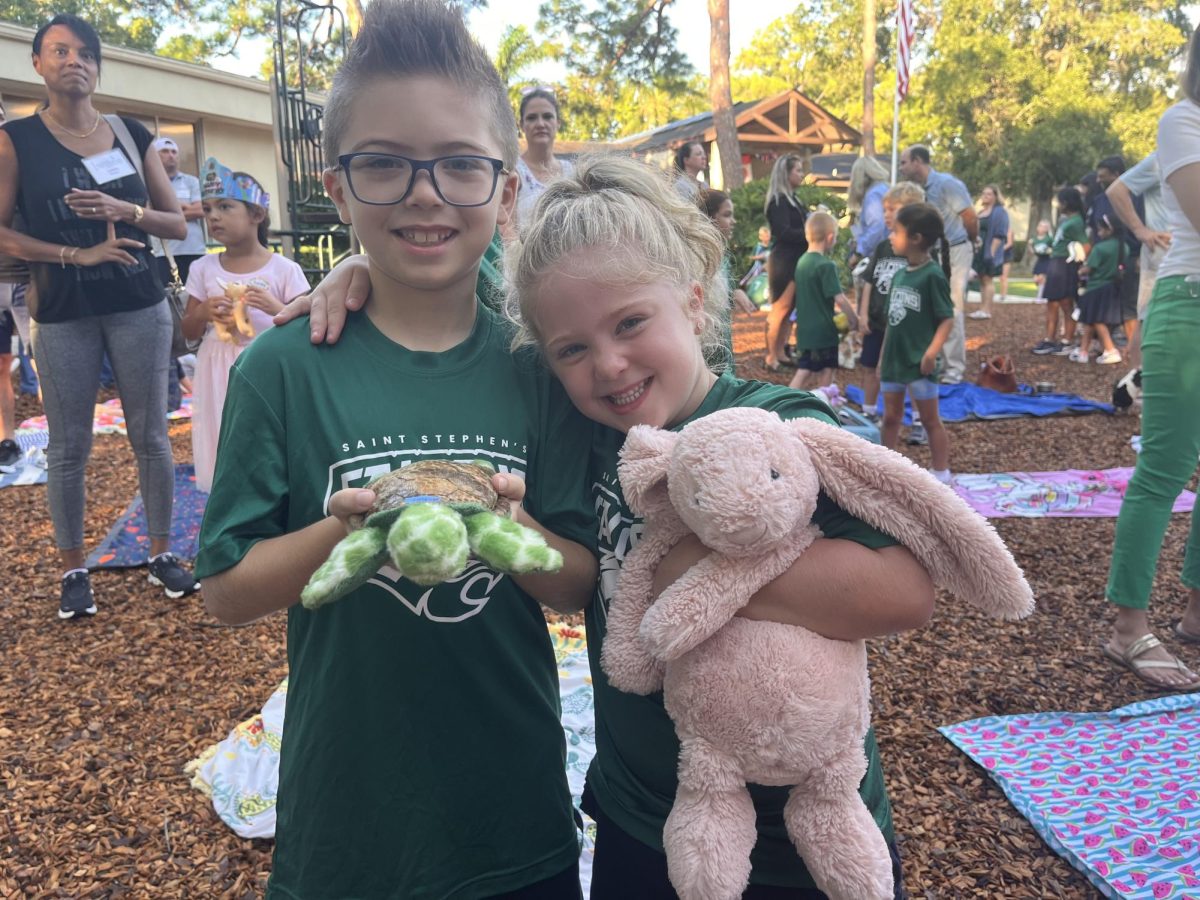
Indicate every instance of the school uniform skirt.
{"type": "Point", "coordinates": [1062, 280]}
{"type": "Point", "coordinates": [1042, 265]}
{"type": "Point", "coordinates": [1101, 306]}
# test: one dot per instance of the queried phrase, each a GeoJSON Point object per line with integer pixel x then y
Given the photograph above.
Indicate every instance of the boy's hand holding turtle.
{"type": "Point", "coordinates": [428, 519]}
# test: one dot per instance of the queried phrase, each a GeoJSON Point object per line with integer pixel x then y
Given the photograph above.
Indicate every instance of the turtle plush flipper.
{"type": "Point", "coordinates": [508, 546]}
{"type": "Point", "coordinates": [428, 543]}
{"type": "Point", "coordinates": [354, 559]}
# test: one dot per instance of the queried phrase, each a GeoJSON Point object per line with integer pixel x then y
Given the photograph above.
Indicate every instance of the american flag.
{"type": "Point", "coordinates": [904, 38]}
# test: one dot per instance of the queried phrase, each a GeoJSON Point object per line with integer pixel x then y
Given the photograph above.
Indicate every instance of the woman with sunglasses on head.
{"type": "Point", "coordinates": [538, 166]}
{"type": "Point", "coordinates": [90, 188]}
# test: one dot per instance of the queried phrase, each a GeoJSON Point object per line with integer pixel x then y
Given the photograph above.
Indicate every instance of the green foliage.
{"type": "Point", "coordinates": [626, 71]}
{"type": "Point", "coordinates": [518, 50]}
{"type": "Point", "coordinates": [1028, 94]}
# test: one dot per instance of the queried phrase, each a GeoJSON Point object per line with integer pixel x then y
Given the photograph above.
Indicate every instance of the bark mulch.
{"type": "Point", "coordinates": [97, 718]}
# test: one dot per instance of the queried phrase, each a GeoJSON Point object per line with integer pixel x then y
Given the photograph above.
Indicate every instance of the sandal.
{"type": "Point", "coordinates": [1185, 636]}
{"type": "Point", "coordinates": [1132, 660]}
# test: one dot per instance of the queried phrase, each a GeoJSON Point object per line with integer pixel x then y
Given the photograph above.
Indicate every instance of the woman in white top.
{"type": "Point", "coordinates": [690, 161]}
{"type": "Point", "coordinates": [538, 166]}
{"type": "Point", "coordinates": [1170, 413]}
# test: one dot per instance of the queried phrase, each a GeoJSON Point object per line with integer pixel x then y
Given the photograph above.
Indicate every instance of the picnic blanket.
{"type": "Point", "coordinates": [109, 417]}
{"type": "Point", "coordinates": [241, 773]}
{"type": "Point", "coordinates": [32, 468]}
{"type": "Point", "coordinates": [1116, 794]}
{"type": "Point", "coordinates": [1089, 493]}
{"type": "Point", "coordinates": [959, 402]}
{"type": "Point", "coordinates": [127, 543]}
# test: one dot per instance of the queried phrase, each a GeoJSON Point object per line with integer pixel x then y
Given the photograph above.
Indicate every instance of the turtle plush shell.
{"type": "Point", "coordinates": [465, 487]}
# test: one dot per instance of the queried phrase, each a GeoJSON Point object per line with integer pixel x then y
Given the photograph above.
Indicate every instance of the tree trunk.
{"type": "Point", "coordinates": [721, 97]}
{"type": "Point", "coordinates": [868, 53]}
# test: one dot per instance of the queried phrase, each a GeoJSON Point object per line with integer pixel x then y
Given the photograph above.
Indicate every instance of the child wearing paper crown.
{"type": "Point", "coordinates": [231, 297]}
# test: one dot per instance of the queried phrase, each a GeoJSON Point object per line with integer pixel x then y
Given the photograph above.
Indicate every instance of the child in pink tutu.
{"type": "Point", "coordinates": [231, 297]}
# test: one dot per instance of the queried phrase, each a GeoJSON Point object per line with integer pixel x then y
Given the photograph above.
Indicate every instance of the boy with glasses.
{"type": "Point", "coordinates": [423, 754]}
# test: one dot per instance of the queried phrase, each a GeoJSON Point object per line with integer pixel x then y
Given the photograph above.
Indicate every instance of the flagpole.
{"type": "Point", "coordinates": [896, 106]}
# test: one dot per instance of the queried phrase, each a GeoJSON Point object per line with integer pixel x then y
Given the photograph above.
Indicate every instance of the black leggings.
{"type": "Point", "coordinates": [626, 869]}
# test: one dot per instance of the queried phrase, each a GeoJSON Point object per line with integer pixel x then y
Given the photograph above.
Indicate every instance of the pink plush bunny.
{"type": "Point", "coordinates": [758, 701]}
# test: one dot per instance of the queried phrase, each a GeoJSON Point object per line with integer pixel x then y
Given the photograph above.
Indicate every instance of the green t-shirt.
{"type": "Point", "coordinates": [919, 301]}
{"type": "Point", "coordinates": [422, 753]}
{"type": "Point", "coordinates": [633, 775]}
{"type": "Point", "coordinates": [881, 269]}
{"type": "Point", "coordinates": [1069, 229]}
{"type": "Point", "coordinates": [1102, 263]}
{"type": "Point", "coordinates": [1044, 245]}
{"type": "Point", "coordinates": [817, 283]}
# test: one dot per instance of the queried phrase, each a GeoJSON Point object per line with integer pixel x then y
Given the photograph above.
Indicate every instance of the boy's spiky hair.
{"type": "Point", "coordinates": [401, 38]}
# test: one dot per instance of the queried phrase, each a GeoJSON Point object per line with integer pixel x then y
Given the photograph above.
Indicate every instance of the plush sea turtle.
{"type": "Point", "coordinates": [427, 519]}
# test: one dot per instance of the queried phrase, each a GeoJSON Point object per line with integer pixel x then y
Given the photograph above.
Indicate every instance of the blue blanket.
{"type": "Point", "coordinates": [127, 543]}
{"type": "Point", "coordinates": [959, 402]}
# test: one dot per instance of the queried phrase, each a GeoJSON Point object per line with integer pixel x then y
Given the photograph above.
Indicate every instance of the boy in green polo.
{"type": "Point", "coordinates": [818, 289]}
{"type": "Point", "coordinates": [423, 755]}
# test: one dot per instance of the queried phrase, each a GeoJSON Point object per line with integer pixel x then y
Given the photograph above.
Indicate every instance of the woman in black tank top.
{"type": "Point", "coordinates": [93, 285]}
{"type": "Point", "coordinates": [786, 217]}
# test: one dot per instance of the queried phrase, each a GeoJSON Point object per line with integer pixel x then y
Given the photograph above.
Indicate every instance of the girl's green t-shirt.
{"type": "Point", "coordinates": [633, 776]}
{"type": "Point", "coordinates": [919, 301]}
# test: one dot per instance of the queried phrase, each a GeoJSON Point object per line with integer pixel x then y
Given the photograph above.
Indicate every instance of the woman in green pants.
{"type": "Point", "coordinates": [1170, 414]}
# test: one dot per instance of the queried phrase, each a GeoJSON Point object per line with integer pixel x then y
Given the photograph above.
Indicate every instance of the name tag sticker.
{"type": "Point", "coordinates": [109, 166]}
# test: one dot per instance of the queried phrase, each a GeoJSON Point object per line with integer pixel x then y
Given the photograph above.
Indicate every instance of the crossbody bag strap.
{"type": "Point", "coordinates": [121, 130]}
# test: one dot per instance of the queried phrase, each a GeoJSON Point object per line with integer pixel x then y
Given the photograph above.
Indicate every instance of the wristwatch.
{"type": "Point", "coordinates": [138, 213]}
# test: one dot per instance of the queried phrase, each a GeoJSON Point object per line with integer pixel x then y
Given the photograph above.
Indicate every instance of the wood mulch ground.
{"type": "Point", "coordinates": [97, 718]}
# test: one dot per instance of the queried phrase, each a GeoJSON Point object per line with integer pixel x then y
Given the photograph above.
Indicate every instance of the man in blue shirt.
{"type": "Point", "coordinates": [950, 197]}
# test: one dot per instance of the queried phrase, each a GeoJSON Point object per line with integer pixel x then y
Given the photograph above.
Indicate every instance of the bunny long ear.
{"type": "Point", "coordinates": [958, 548]}
{"type": "Point", "coordinates": [645, 458]}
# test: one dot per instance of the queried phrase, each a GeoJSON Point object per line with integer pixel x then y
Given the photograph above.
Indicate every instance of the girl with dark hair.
{"type": "Point", "coordinates": [920, 316]}
{"type": "Point", "coordinates": [718, 207]}
{"type": "Point", "coordinates": [690, 161]}
{"type": "Point", "coordinates": [538, 166]}
{"type": "Point", "coordinates": [90, 188]}
{"type": "Point", "coordinates": [232, 297]}
{"type": "Point", "coordinates": [786, 216]}
{"type": "Point", "coordinates": [1062, 275]}
{"type": "Point", "coordinates": [1170, 426]}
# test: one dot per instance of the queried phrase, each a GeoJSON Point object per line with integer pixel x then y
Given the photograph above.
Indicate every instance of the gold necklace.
{"type": "Point", "coordinates": [86, 134]}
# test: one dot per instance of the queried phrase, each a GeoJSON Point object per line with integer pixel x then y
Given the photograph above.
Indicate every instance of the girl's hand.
{"type": "Point", "coordinates": [260, 299]}
{"type": "Point", "coordinates": [350, 502]}
{"type": "Point", "coordinates": [98, 206]}
{"type": "Point", "coordinates": [852, 320]}
{"type": "Point", "coordinates": [219, 309]}
{"type": "Point", "coordinates": [111, 251]}
{"type": "Point", "coordinates": [743, 302]}
{"type": "Point", "coordinates": [928, 363]}
{"type": "Point", "coordinates": [864, 327]}
{"type": "Point", "coordinates": [343, 290]}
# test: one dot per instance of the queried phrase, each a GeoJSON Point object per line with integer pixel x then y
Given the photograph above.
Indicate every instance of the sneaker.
{"type": "Point", "coordinates": [917, 435]}
{"type": "Point", "coordinates": [979, 314]}
{"type": "Point", "coordinates": [1109, 357]}
{"type": "Point", "coordinates": [1078, 356]}
{"type": "Point", "coordinates": [77, 597]}
{"type": "Point", "coordinates": [168, 573]}
{"type": "Point", "coordinates": [1044, 348]}
{"type": "Point", "coordinates": [1063, 349]}
{"type": "Point", "coordinates": [10, 456]}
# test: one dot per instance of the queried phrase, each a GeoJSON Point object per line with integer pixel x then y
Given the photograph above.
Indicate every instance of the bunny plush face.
{"type": "Point", "coordinates": [737, 483]}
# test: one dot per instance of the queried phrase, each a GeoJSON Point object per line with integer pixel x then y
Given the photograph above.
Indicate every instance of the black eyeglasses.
{"type": "Point", "coordinates": [385, 179]}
